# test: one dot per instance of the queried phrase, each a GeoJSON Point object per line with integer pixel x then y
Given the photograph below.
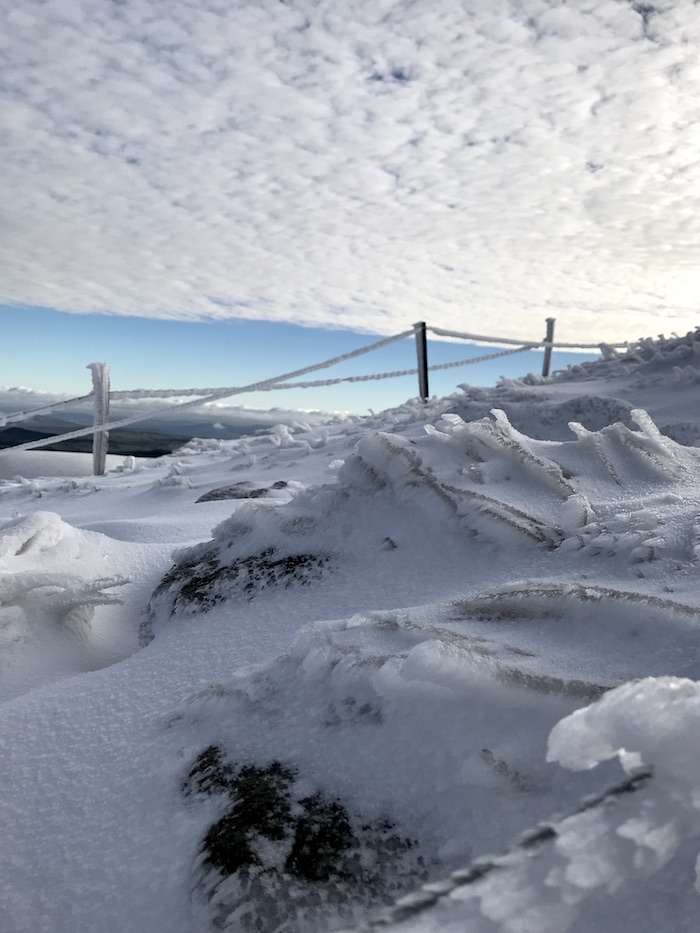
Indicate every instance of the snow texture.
{"type": "Point", "coordinates": [314, 679]}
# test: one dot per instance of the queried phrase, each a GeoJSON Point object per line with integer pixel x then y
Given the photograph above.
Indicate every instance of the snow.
{"type": "Point", "coordinates": [471, 623]}
{"type": "Point", "coordinates": [35, 463]}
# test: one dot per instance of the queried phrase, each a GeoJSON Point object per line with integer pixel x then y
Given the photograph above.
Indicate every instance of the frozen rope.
{"type": "Point", "coordinates": [587, 346]}
{"type": "Point", "coordinates": [464, 884]}
{"type": "Point", "coordinates": [30, 413]}
{"type": "Point", "coordinates": [440, 332]}
{"type": "Point", "coordinates": [211, 397]}
{"type": "Point", "coordinates": [271, 383]}
{"type": "Point", "coordinates": [399, 372]}
{"type": "Point", "coordinates": [484, 358]}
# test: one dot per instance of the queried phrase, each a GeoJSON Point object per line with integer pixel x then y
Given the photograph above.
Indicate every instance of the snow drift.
{"type": "Point", "coordinates": [441, 654]}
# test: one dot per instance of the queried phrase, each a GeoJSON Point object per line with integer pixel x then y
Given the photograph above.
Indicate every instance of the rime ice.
{"type": "Point", "coordinates": [464, 633]}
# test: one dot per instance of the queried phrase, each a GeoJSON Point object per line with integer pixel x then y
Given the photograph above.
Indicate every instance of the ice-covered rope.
{"type": "Point", "coordinates": [268, 385]}
{"type": "Point", "coordinates": [441, 332]}
{"type": "Point", "coordinates": [485, 357]}
{"type": "Point", "coordinates": [480, 338]}
{"type": "Point", "coordinates": [399, 372]}
{"type": "Point", "coordinates": [32, 412]}
{"type": "Point", "coordinates": [271, 383]}
{"type": "Point", "coordinates": [211, 397]}
{"type": "Point", "coordinates": [586, 346]}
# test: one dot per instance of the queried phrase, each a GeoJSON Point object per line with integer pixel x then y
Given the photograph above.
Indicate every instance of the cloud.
{"type": "Point", "coordinates": [363, 164]}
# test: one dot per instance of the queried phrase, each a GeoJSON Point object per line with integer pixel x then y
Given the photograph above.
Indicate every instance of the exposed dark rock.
{"type": "Point", "coordinates": [242, 490]}
{"type": "Point", "coordinates": [261, 809]}
{"type": "Point", "coordinates": [207, 581]}
{"type": "Point", "coordinates": [205, 576]}
{"type": "Point", "coordinates": [293, 856]}
{"type": "Point", "coordinates": [210, 774]}
{"type": "Point", "coordinates": [322, 835]}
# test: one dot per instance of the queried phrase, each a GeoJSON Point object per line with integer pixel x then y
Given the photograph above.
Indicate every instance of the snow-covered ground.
{"type": "Point", "coordinates": [30, 464]}
{"type": "Point", "coordinates": [276, 683]}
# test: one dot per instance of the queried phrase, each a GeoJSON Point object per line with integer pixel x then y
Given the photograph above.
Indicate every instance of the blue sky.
{"type": "Point", "coordinates": [47, 350]}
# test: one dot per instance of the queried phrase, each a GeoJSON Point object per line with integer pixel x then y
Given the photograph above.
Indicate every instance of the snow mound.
{"type": "Point", "coordinates": [46, 612]}
{"type": "Point", "coordinates": [458, 485]}
{"type": "Point", "coordinates": [458, 698]}
{"type": "Point", "coordinates": [459, 694]}
{"type": "Point", "coordinates": [351, 685]}
{"type": "Point", "coordinates": [625, 859]}
{"type": "Point", "coordinates": [659, 375]}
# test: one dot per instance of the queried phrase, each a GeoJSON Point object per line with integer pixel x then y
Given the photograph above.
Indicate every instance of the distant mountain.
{"type": "Point", "coordinates": [128, 443]}
{"type": "Point", "coordinates": [167, 428]}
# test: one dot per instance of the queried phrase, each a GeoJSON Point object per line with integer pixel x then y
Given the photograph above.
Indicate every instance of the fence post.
{"type": "Point", "coordinates": [546, 362]}
{"type": "Point", "coordinates": [100, 438]}
{"type": "Point", "coordinates": [422, 353]}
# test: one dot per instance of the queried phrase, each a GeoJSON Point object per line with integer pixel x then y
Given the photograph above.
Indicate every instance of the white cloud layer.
{"type": "Point", "coordinates": [363, 163]}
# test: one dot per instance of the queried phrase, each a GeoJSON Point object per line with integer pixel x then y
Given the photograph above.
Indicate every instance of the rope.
{"type": "Point", "coordinates": [236, 390]}
{"type": "Point", "coordinates": [589, 346]}
{"type": "Point", "coordinates": [211, 397]}
{"type": "Point", "coordinates": [399, 372]}
{"type": "Point", "coordinates": [477, 337]}
{"type": "Point", "coordinates": [440, 332]}
{"type": "Point", "coordinates": [30, 413]}
{"type": "Point", "coordinates": [483, 359]}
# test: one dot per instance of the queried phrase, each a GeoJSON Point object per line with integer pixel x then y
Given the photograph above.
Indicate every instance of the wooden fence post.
{"type": "Point", "coordinates": [422, 353]}
{"type": "Point", "coordinates": [546, 362]}
{"type": "Point", "coordinates": [100, 437]}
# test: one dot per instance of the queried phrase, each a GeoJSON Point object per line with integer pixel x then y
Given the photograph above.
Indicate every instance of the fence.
{"type": "Point", "coordinates": [101, 394]}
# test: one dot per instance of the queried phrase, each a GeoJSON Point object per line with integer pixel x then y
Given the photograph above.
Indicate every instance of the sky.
{"type": "Point", "coordinates": [354, 166]}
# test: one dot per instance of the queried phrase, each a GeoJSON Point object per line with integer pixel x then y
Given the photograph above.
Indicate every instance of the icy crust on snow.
{"type": "Point", "coordinates": [46, 613]}
{"type": "Point", "coordinates": [460, 482]}
{"type": "Point", "coordinates": [479, 585]}
{"type": "Point", "coordinates": [545, 418]}
{"type": "Point", "coordinates": [459, 694]}
{"type": "Point", "coordinates": [626, 859]}
{"type": "Point", "coordinates": [370, 713]}
{"type": "Point", "coordinates": [644, 360]}
{"type": "Point", "coordinates": [659, 375]}
{"type": "Point", "coordinates": [457, 698]}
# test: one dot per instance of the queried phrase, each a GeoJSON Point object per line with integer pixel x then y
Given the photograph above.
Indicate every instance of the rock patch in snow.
{"type": "Point", "coordinates": [285, 855]}
{"type": "Point", "coordinates": [242, 490]}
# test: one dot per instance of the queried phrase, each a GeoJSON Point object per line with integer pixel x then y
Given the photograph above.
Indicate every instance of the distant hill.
{"type": "Point", "coordinates": [161, 434]}
{"type": "Point", "coordinates": [128, 443]}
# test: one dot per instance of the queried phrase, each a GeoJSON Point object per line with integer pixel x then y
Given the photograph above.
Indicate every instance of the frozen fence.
{"type": "Point", "coordinates": [101, 394]}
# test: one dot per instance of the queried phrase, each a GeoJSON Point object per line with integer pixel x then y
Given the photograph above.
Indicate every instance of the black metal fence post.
{"type": "Point", "coordinates": [548, 340]}
{"type": "Point", "coordinates": [422, 353]}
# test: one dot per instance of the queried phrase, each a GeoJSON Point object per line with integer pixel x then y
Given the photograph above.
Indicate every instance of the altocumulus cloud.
{"type": "Point", "coordinates": [360, 163]}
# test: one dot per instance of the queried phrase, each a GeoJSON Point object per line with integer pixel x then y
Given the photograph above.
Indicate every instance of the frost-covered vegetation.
{"type": "Point", "coordinates": [432, 670]}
